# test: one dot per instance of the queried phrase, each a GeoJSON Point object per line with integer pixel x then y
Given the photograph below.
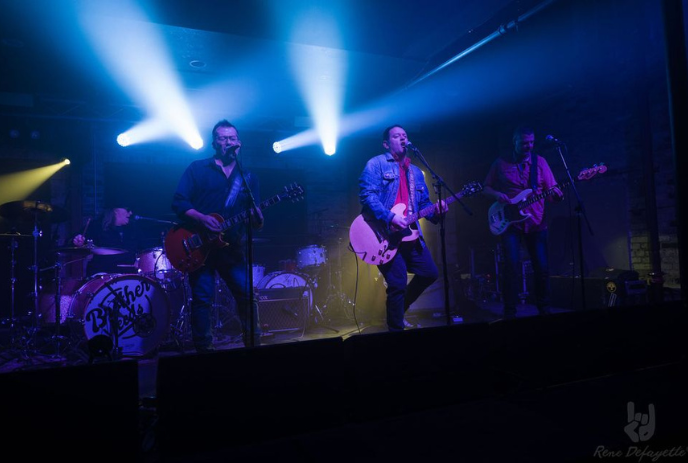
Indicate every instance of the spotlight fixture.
{"type": "Point", "coordinates": [277, 147]}
{"type": "Point", "coordinates": [123, 139]}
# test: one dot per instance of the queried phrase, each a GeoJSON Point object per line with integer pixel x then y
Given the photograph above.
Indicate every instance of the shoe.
{"type": "Point", "coordinates": [409, 325]}
{"type": "Point", "coordinates": [509, 315]}
{"type": "Point", "coordinates": [205, 349]}
{"type": "Point", "coordinates": [544, 311]}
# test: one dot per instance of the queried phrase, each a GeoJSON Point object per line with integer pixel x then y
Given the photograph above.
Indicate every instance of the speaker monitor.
{"type": "Point", "coordinates": [603, 288]}
{"type": "Point", "coordinates": [70, 412]}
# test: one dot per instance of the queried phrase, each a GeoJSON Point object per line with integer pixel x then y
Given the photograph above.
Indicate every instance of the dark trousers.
{"type": "Point", "coordinates": [536, 243]}
{"type": "Point", "coordinates": [230, 265]}
{"type": "Point", "coordinates": [412, 257]}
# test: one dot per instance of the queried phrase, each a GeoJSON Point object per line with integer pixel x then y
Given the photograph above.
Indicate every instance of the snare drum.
{"type": "Point", "coordinates": [46, 300]}
{"type": "Point", "coordinates": [154, 263]}
{"type": "Point", "coordinates": [310, 257]}
{"type": "Point", "coordinates": [139, 303]}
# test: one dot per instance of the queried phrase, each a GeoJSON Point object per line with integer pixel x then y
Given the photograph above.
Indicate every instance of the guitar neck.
{"type": "Point", "coordinates": [429, 210]}
{"type": "Point", "coordinates": [243, 216]}
{"type": "Point", "coordinates": [535, 198]}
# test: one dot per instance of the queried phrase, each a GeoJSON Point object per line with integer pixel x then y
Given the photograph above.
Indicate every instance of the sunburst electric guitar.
{"type": "Point", "coordinates": [188, 248]}
{"type": "Point", "coordinates": [375, 245]}
{"type": "Point", "coordinates": [501, 215]}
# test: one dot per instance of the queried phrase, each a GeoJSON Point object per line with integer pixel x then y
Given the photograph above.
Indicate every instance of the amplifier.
{"type": "Point", "coordinates": [283, 309]}
{"type": "Point", "coordinates": [599, 292]}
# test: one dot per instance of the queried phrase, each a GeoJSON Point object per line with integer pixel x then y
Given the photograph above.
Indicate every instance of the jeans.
{"type": "Point", "coordinates": [536, 243]}
{"type": "Point", "coordinates": [412, 257]}
{"type": "Point", "coordinates": [230, 264]}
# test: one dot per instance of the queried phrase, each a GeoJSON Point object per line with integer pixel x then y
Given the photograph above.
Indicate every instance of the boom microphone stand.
{"type": "Point", "coordinates": [580, 215]}
{"type": "Point", "coordinates": [438, 184]}
{"type": "Point", "coordinates": [249, 251]}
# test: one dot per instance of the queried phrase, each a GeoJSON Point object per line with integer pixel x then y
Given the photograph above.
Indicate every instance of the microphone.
{"type": "Point", "coordinates": [553, 140]}
{"type": "Point", "coordinates": [411, 145]}
{"type": "Point", "coordinates": [232, 148]}
{"type": "Point", "coordinates": [139, 217]}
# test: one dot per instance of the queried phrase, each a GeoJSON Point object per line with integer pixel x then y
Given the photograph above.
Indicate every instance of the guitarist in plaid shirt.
{"type": "Point", "coordinates": [509, 175]}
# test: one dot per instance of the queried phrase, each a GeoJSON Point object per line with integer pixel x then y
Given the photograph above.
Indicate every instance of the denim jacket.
{"type": "Point", "coordinates": [378, 186]}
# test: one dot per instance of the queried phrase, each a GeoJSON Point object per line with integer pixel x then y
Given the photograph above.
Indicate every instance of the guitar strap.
{"type": "Point", "coordinates": [233, 192]}
{"type": "Point", "coordinates": [533, 171]}
{"type": "Point", "coordinates": [412, 191]}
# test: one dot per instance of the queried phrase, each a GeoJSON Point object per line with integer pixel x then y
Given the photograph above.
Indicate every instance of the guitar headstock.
{"type": "Point", "coordinates": [471, 188]}
{"type": "Point", "coordinates": [587, 174]}
{"type": "Point", "coordinates": [293, 192]}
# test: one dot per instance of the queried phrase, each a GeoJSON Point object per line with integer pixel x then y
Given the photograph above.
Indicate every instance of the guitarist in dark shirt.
{"type": "Point", "coordinates": [509, 176]}
{"type": "Point", "coordinates": [209, 190]}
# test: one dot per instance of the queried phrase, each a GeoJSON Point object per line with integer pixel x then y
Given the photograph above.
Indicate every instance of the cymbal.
{"type": "Point", "coordinates": [27, 210]}
{"type": "Point", "coordinates": [89, 250]}
{"type": "Point", "coordinates": [14, 235]}
{"type": "Point", "coordinates": [126, 265]}
{"type": "Point", "coordinates": [107, 251]}
{"type": "Point", "coordinates": [72, 250]}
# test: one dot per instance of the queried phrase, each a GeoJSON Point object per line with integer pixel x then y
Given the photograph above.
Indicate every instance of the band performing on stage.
{"type": "Point", "coordinates": [119, 289]}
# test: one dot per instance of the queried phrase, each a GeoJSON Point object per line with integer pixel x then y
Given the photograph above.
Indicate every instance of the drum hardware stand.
{"type": "Point", "coordinates": [14, 335]}
{"type": "Point", "coordinates": [13, 280]}
{"type": "Point", "coordinates": [338, 296]}
{"type": "Point", "coordinates": [58, 337]}
{"type": "Point", "coordinates": [33, 329]}
{"type": "Point", "coordinates": [180, 327]}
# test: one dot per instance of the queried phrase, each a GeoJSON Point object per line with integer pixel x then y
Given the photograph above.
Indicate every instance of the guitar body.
{"type": "Point", "coordinates": [501, 215]}
{"type": "Point", "coordinates": [188, 248]}
{"type": "Point", "coordinates": [375, 246]}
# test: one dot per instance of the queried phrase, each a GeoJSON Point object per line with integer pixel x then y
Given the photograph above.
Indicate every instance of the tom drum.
{"type": "Point", "coordinates": [311, 257]}
{"type": "Point", "coordinates": [154, 263]}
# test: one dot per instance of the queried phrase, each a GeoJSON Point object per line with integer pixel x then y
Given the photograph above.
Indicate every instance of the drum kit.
{"type": "Point", "coordinates": [132, 310]}
{"type": "Point", "coordinates": [141, 308]}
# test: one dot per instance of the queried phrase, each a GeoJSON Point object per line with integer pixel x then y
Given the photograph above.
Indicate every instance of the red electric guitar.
{"type": "Point", "coordinates": [187, 248]}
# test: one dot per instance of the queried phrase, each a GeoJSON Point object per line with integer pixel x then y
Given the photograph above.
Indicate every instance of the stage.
{"type": "Point", "coordinates": [553, 388]}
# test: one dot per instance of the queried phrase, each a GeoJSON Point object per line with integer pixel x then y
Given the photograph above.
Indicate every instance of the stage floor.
{"type": "Point", "coordinates": [341, 322]}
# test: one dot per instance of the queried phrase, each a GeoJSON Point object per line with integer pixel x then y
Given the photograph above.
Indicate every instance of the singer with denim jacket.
{"type": "Point", "coordinates": [389, 179]}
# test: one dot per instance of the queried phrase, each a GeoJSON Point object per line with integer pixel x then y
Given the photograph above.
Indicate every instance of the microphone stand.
{"type": "Point", "coordinates": [438, 184]}
{"type": "Point", "coordinates": [249, 253]}
{"type": "Point", "coordinates": [580, 214]}
{"type": "Point", "coordinates": [150, 219]}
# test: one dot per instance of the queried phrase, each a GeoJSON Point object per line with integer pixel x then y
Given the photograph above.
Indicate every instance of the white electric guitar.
{"type": "Point", "coordinates": [500, 215]}
{"type": "Point", "coordinates": [376, 246]}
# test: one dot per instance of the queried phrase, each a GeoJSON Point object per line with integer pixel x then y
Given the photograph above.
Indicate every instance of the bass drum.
{"type": "Point", "coordinates": [139, 303]}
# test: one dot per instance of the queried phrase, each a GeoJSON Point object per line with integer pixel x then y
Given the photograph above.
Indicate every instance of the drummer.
{"type": "Point", "coordinates": [113, 240]}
